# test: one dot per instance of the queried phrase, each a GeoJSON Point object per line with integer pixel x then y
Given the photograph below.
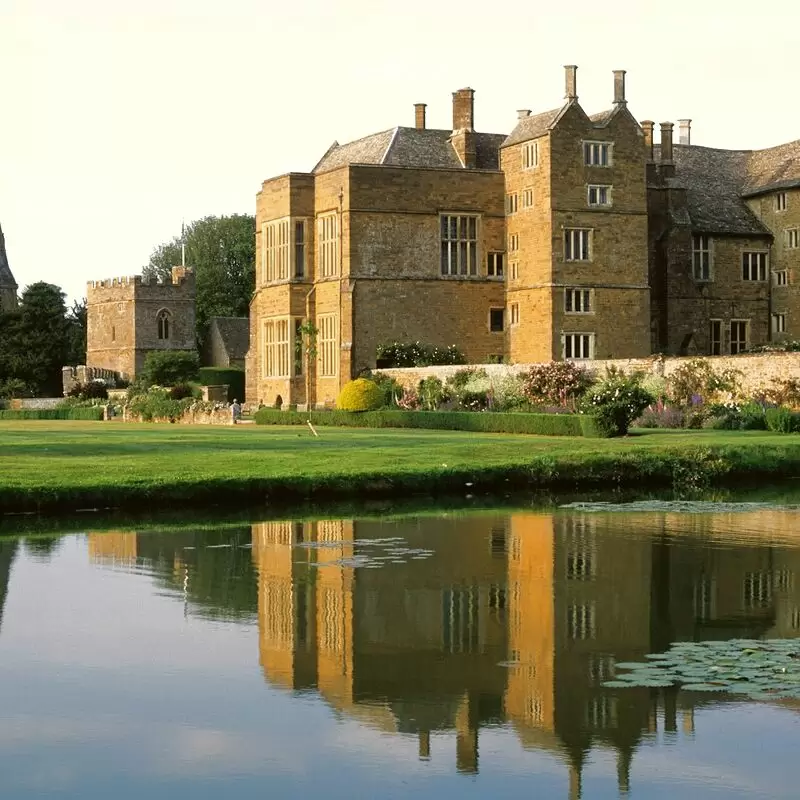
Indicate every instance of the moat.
{"type": "Point", "coordinates": [444, 654]}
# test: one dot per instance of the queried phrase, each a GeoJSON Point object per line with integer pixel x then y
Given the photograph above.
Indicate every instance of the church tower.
{"type": "Point", "coordinates": [8, 286]}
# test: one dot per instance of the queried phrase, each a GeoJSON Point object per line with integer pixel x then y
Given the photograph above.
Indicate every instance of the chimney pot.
{"type": "Point", "coordinates": [648, 126]}
{"type": "Point", "coordinates": [666, 142]}
{"type": "Point", "coordinates": [619, 87]}
{"type": "Point", "coordinates": [419, 115]}
{"type": "Point", "coordinates": [464, 110]}
{"type": "Point", "coordinates": [523, 112]}
{"type": "Point", "coordinates": [571, 79]}
{"type": "Point", "coordinates": [684, 131]}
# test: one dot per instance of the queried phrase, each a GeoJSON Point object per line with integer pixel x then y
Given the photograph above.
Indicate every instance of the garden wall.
{"type": "Point", "coordinates": [757, 370]}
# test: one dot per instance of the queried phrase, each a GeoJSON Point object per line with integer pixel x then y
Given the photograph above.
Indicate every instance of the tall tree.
{"type": "Point", "coordinates": [35, 340]}
{"type": "Point", "coordinates": [221, 250]}
{"type": "Point", "coordinates": [76, 321]}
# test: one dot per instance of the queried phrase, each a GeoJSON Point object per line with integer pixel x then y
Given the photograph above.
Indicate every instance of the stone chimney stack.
{"type": "Point", "coordinates": [464, 110]}
{"type": "Point", "coordinates": [571, 80]}
{"type": "Point", "coordinates": [666, 142]}
{"type": "Point", "coordinates": [523, 112]}
{"type": "Point", "coordinates": [684, 131]}
{"type": "Point", "coordinates": [463, 136]}
{"type": "Point", "coordinates": [648, 126]}
{"type": "Point", "coordinates": [619, 87]}
{"type": "Point", "coordinates": [667, 164]}
{"type": "Point", "coordinates": [419, 115]}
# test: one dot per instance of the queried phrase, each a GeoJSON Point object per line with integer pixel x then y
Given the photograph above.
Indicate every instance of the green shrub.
{"type": "Point", "coordinates": [14, 387]}
{"type": "Point", "coordinates": [93, 390]}
{"type": "Point", "coordinates": [594, 427]}
{"type": "Point", "coordinates": [391, 390]}
{"type": "Point", "coordinates": [432, 393]}
{"type": "Point", "coordinates": [459, 379]}
{"type": "Point", "coordinates": [182, 391]}
{"type": "Point", "coordinates": [220, 376]}
{"type": "Point", "coordinates": [697, 382]}
{"type": "Point", "coordinates": [359, 395]}
{"type": "Point", "coordinates": [157, 404]}
{"type": "Point", "coordinates": [81, 413]}
{"type": "Point", "coordinates": [782, 420]}
{"type": "Point", "coordinates": [615, 403]}
{"type": "Point", "coordinates": [538, 424]}
{"type": "Point", "coordinates": [169, 367]}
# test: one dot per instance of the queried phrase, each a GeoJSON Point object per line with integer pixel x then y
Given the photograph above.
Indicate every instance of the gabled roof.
{"type": "Point", "coordinates": [533, 127]}
{"type": "Point", "coordinates": [235, 334]}
{"type": "Point", "coordinates": [602, 118]}
{"type": "Point", "coordinates": [6, 277]}
{"type": "Point", "coordinates": [411, 147]}
{"type": "Point", "coordinates": [714, 181]}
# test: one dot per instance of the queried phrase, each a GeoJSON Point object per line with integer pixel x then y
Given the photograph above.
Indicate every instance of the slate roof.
{"type": "Point", "coordinates": [773, 168]}
{"type": "Point", "coordinates": [411, 147]}
{"type": "Point", "coordinates": [533, 127]}
{"type": "Point", "coordinates": [6, 278]}
{"type": "Point", "coordinates": [714, 181]}
{"type": "Point", "coordinates": [235, 335]}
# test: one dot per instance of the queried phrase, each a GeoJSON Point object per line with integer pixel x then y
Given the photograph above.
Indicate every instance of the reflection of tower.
{"type": "Point", "coordinates": [8, 551]}
{"type": "Point", "coordinates": [335, 584]}
{"type": "Point", "coordinates": [113, 548]}
{"type": "Point", "coordinates": [285, 605]}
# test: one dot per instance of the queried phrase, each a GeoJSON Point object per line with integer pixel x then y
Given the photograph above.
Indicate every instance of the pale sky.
{"type": "Point", "coordinates": [118, 119]}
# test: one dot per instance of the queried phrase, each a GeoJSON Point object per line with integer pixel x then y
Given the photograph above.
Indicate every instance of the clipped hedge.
{"type": "Point", "coordinates": [539, 424]}
{"type": "Point", "coordinates": [217, 376]}
{"type": "Point", "coordinates": [85, 413]}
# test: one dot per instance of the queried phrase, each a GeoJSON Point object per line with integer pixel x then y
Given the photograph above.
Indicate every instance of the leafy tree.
{"type": "Point", "coordinates": [76, 319]}
{"type": "Point", "coordinates": [221, 250]}
{"type": "Point", "coordinates": [169, 367]}
{"type": "Point", "coordinates": [34, 341]}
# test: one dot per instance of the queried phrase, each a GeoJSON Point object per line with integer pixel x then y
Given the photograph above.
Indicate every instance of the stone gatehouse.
{"type": "Point", "coordinates": [129, 317]}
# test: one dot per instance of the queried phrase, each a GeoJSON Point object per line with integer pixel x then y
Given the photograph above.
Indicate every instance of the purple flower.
{"type": "Point", "coordinates": [697, 400]}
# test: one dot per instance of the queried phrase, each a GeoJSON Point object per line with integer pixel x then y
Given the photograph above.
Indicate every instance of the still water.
{"type": "Point", "coordinates": [447, 656]}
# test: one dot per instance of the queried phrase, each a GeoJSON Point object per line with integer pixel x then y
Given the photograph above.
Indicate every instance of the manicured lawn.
{"type": "Point", "coordinates": [52, 463]}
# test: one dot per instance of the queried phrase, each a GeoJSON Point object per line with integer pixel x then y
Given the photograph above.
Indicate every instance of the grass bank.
{"type": "Point", "coordinates": [67, 465]}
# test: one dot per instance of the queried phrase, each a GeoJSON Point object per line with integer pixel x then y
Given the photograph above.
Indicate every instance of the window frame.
{"type": "Point", "coordinates": [792, 238]}
{"type": "Point", "coordinates": [587, 300]}
{"type": "Point", "coordinates": [781, 202]}
{"type": "Point", "coordinates": [527, 199]}
{"type": "Point", "coordinates": [758, 266]}
{"type": "Point", "coordinates": [163, 325]}
{"type": "Point", "coordinates": [450, 246]}
{"type": "Point", "coordinates": [495, 259]}
{"type": "Point", "coordinates": [328, 245]}
{"type": "Point", "coordinates": [512, 203]}
{"type": "Point", "coordinates": [513, 270]}
{"type": "Point", "coordinates": [778, 321]}
{"type": "Point", "coordinates": [514, 315]}
{"type": "Point", "coordinates": [712, 340]}
{"type": "Point", "coordinates": [590, 147]}
{"type": "Point", "coordinates": [527, 150]}
{"type": "Point", "coordinates": [276, 347]}
{"type": "Point", "coordinates": [591, 345]}
{"type": "Point", "coordinates": [780, 277]}
{"type": "Point", "coordinates": [328, 345]}
{"type": "Point", "coordinates": [493, 311]}
{"type": "Point", "coordinates": [698, 239]}
{"type": "Point", "coordinates": [598, 187]}
{"type": "Point", "coordinates": [731, 340]}
{"type": "Point", "coordinates": [571, 232]}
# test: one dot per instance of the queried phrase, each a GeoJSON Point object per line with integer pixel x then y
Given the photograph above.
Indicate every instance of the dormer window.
{"type": "Point", "coordinates": [163, 320]}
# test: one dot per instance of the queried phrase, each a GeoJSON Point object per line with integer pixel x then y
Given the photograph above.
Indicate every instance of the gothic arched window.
{"type": "Point", "coordinates": [163, 319]}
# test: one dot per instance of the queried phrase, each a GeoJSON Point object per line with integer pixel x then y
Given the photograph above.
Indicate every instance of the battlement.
{"type": "Point", "coordinates": [180, 276]}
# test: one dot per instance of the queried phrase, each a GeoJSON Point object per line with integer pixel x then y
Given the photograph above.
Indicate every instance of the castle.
{"type": "Point", "coordinates": [126, 318]}
{"type": "Point", "coordinates": [575, 236]}
{"type": "Point", "coordinates": [8, 286]}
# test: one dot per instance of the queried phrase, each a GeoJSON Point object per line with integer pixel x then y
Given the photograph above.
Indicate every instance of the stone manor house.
{"type": "Point", "coordinates": [575, 236]}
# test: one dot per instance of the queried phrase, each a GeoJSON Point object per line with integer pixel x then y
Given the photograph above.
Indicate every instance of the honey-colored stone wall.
{"type": "Point", "coordinates": [757, 370]}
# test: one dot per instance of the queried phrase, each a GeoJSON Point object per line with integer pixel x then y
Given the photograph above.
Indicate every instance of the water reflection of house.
{"type": "Point", "coordinates": [414, 647]}
{"type": "Point", "coordinates": [417, 647]}
{"type": "Point", "coordinates": [113, 547]}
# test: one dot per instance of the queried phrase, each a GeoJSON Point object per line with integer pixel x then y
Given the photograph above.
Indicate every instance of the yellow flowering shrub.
{"type": "Point", "coordinates": [360, 395]}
